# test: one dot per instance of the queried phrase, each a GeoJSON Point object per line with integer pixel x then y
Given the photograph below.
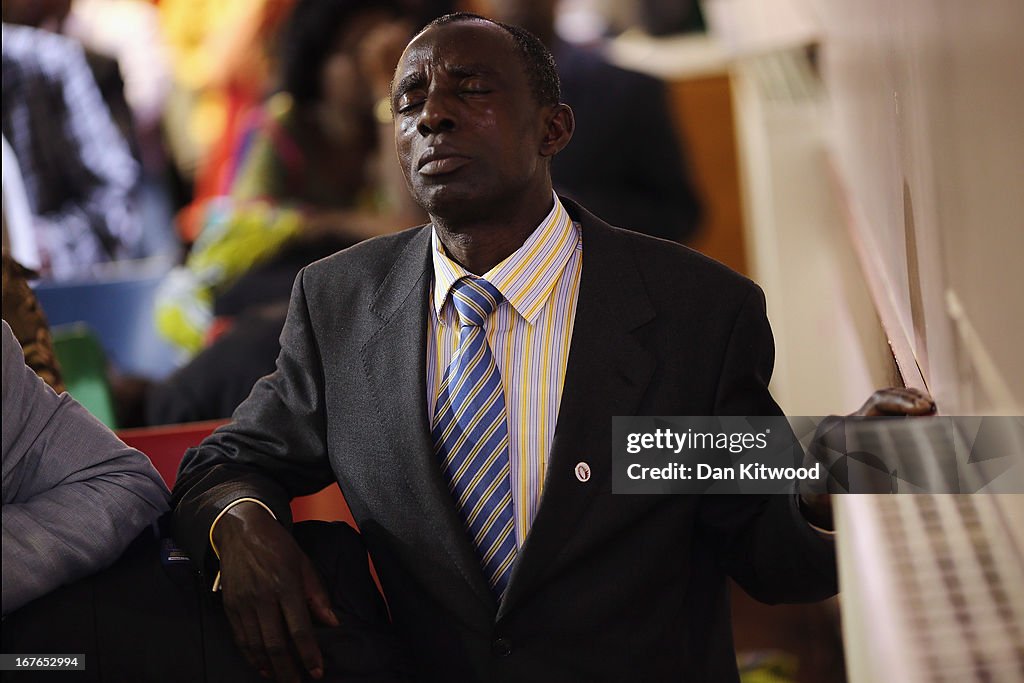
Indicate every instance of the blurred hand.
{"type": "Point", "coordinates": [270, 590]}
{"type": "Point", "coordinates": [891, 402]}
{"type": "Point", "coordinates": [378, 54]}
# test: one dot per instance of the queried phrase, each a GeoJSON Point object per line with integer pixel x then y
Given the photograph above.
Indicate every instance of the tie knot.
{"type": "Point", "coordinates": [475, 299]}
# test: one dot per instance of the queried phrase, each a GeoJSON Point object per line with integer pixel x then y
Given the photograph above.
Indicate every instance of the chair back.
{"type": "Point", "coordinates": [83, 367]}
{"type": "Point", "coordinates": [119, 310]}
{"type": "Point", "coordinates": [166, 445]}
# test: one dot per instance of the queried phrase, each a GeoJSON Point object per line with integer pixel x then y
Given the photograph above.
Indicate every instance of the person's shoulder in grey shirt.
{"type": "Point", "coordinates": [74, 495]}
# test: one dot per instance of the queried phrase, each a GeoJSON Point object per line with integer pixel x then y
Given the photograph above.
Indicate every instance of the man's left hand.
{"type": "Point", "coordinates": [896, 401]}
{"type": "Point", "coordinates": [891, 402]}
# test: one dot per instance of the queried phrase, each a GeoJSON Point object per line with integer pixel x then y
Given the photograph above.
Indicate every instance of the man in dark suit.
{"type": "Point", "coordinates": [602, 587]}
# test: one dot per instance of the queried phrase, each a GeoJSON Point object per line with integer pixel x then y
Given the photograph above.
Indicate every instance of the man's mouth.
{"type": "Point", "coordinates": [439, 163]}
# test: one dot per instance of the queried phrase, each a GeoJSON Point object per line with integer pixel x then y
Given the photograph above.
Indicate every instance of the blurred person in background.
{"type": "Point", "coordinates": [310, 177]}
{"type": "Point", "coordinates": [19, 235]}
{"type": "Point", "coordinates": [21, 309]}
{"type": "Point", "coordinates": [128, 32]}
{"type": "Point", "coordinates": [22, 312]}
{"type": "Point", "coordinates": [78, 170]}
{"type": "Point", "coordinates": [125, 36]}
{"type": "Point", "coordinates": [626, 163]}
{"type": "Point", "coordinates": [52, 16]}
{"type": "Point", "coordinates": [223, 63]}
{"type": "Point", "coordinates": [128, 59]}
{"type": "Point", "coordinates": [222, 66]}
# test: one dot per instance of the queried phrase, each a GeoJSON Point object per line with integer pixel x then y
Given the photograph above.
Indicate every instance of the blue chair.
{"type": "Point", "coordinates": [118, 308]}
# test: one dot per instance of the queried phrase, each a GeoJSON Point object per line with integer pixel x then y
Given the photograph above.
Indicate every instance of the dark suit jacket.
{"type": "Point", "coordinates": [606, 587]}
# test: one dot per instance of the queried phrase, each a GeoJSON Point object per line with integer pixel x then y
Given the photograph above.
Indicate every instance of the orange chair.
{"type": "Point", "coordinates": [166, 445]}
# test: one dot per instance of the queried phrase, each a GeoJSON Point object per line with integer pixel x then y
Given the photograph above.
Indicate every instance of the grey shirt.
{"type": "Point", "coordinates": [74, 495]}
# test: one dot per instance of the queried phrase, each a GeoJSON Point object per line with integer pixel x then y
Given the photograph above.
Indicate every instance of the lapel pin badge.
{"type": "Point", "coordinates": [583, 471]}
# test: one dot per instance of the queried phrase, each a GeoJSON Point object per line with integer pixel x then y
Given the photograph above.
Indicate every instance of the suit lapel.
{"type": "Point", "coordinates": [608, 370]}
{"type": "Point", "coordinates": [395, 356]}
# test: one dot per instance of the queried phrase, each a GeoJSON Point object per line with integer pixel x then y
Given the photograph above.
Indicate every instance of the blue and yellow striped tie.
{"type": "Point", "coordinates": [471, 434]}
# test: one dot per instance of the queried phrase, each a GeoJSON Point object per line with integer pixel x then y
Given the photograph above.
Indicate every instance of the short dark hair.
{"type": "Point", "coordinates": [311, 35]}
{"type": "Point", "coordinates": [537, 59]}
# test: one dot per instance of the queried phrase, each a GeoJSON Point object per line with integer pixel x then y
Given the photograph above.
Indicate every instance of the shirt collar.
{"type": "Point", "coordinates": [526, 277]}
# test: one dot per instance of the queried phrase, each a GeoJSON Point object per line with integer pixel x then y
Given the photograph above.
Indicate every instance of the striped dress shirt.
{"type": "Point", "coordinates": [529, 336]}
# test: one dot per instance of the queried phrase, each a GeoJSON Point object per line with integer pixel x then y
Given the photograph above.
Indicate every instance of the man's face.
{"type": "Point", "coordinates": [468, 130]}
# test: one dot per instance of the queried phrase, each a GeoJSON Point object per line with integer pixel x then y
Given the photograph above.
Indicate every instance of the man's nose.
{"type": "Point", "coordinates": [436, 115]}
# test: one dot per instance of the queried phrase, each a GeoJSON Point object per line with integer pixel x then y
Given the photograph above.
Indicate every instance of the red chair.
{"type": "Point", "coordinates": [166, 445]}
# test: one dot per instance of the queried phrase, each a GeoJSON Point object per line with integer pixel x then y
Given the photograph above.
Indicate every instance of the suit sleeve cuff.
{"type": "Point", "coordinates": [821, 531]}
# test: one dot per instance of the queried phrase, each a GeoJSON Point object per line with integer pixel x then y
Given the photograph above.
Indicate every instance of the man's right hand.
{"type": "Point", "coordinates": [270, 590]}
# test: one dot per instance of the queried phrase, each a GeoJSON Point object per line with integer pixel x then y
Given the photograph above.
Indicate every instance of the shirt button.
{"type": "Point", "coordinates": [501, 647]}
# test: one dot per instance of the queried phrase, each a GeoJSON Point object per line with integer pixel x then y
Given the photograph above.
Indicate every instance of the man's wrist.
{"type": "Point", "coordinates": [213, 527]}
{"type": "Point", "coordinates": [816, 509]}
{"type": "Point", "coordinates": [228, 508]}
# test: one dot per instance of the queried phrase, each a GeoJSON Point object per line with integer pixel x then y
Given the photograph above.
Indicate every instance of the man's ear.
{"type": "Point", "coordinates": [559, 125]}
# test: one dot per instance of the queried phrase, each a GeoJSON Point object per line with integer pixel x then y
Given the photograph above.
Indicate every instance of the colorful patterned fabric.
{"type": "Point", "coordinates": [22, 312]}
{"type": "Point", "coordinates": [236, 237]}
